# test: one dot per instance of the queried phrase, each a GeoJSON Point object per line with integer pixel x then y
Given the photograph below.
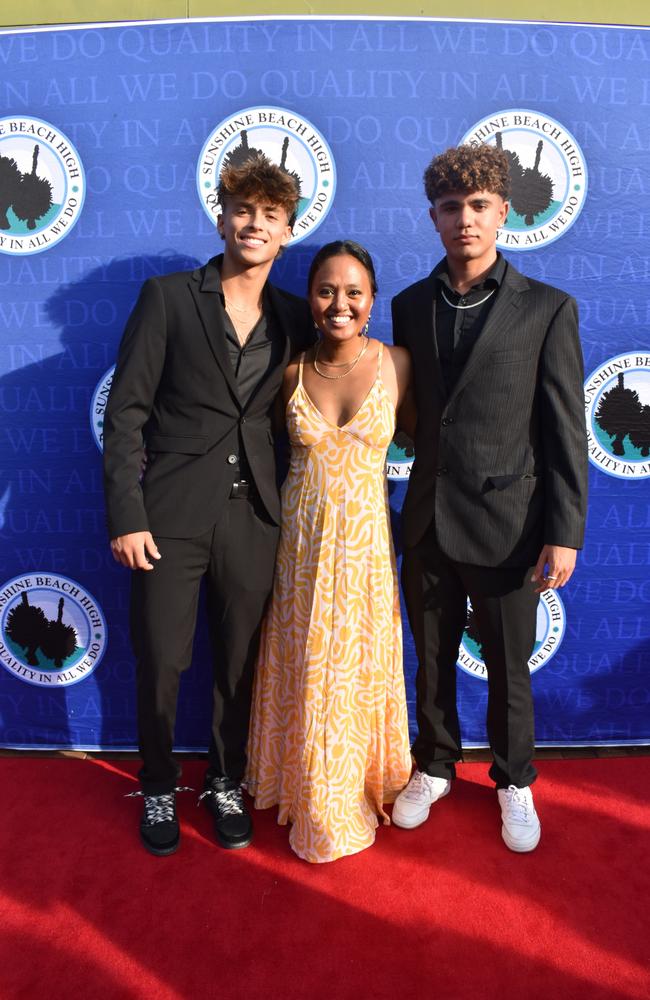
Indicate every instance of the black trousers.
{"type": "Point", "coordinates": [505, 608]}
{"type": "Point", "coordinates": [237, 558]}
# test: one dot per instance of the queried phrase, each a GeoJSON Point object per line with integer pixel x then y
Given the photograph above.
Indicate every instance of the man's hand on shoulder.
{"type": "Point", "coordinates": [132, 550]}
{"type": "Point", "coordinates": [554, 567]}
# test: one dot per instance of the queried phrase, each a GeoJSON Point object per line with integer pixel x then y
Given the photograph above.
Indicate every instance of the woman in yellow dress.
{"type": "Point", "coordinates": [329, 739]}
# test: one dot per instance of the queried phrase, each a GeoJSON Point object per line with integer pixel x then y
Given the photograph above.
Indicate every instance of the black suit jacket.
{"type": "Point", "coordinates": [500, 463]}
{"type": "Point", "coordinates": [174, 393]}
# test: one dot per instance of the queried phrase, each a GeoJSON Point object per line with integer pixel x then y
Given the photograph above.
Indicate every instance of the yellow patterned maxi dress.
{"type": "Point", "coordinates": [329, 739]}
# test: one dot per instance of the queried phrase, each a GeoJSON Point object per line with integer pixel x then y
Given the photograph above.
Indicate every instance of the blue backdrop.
{"type": "Point", "coordinates": [110, 140]}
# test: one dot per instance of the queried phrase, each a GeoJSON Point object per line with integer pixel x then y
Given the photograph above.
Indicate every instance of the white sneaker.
{"type": "Point", "coordinates": [521, 828]}
{"type": "Point", "coordinates": [413, 802]}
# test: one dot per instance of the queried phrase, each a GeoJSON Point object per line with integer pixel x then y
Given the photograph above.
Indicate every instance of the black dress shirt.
{"type": "Point", "coordinates": [461, 318]}
{"type": "Point", "coordinates": [262, 351]}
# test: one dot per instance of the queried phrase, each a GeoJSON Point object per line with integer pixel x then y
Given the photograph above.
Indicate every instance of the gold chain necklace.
{"type": "Point", "coordinates": [243, 309]}
{"type": "Point", "coordinates": [352, 364]}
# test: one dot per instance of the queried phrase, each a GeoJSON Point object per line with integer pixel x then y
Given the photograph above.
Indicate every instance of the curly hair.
{"type": "Point", "coordinates": [261, 179]}
{"type": "Point", "coordinates": [468, 168]}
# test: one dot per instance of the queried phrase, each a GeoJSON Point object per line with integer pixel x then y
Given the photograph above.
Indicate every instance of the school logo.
{"type": "Point", "coordinates": [548, 175]}
{"type": "Point", "coordinates": [42, 186]}
{"type": "Point", "coordinates": [399, 459]}
{"type": "Point", "coordinates": [52, 631]}
{"type": "Point", "coordinates": [285, 138]}
{"type": "Point", "coordinates": [617, 408]}
{"type": "Point", "coordinates": [98, 406]}
{"type": "Point", "coordinates": [551, 623]}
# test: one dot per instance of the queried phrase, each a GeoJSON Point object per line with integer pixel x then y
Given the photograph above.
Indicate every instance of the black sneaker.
{"type": "Point", "coordinates": [159, 830]}
{"type": "Point", "coordinates": [232, 824]}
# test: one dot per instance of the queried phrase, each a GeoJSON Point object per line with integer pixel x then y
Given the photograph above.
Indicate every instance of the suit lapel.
{"type": "Point", "coordinates": [424, 318]}
{"type": "Point", "coordinates": [285, 321]}
{"type": "Point", "coordinates": [205, 286]}
{"type": "Point", "coordinates": [500, 319]}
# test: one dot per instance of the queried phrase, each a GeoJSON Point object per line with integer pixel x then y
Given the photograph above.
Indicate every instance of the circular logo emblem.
{"type": "Point", "coordinates": [548, 175]}
{"type": "Point", "coordinates": [52, 631]}
{"type": "Point", "coordinates": [399, 459]}
{"type": "Point", "coordinates": [286, 139]}
{"type": "Point", "coordinates": [42, 185]}
{"type": "Point", "coordinates": [551, 623]}
{"type": "Point", "coordinates": [98, 406]}
{"type": "Point", "coordinates": [617, 407]}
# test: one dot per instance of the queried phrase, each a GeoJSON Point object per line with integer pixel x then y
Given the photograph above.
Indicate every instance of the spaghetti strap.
{"type": "Point", "coordinates": [315, 700]}
{"type": "Point", "coordinates": [300, 364]}
{"type": "Point", "coordinates": [380, 354]}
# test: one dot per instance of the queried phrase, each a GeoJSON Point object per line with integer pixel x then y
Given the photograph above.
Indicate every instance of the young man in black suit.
{"type": "Point", "coordinates": [199, 368]}
{"type": "Point", "coordinates": [495, 508]}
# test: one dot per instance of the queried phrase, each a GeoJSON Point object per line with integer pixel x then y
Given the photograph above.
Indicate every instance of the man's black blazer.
{"type": "Point", "coordinates": [501, 463]}
{"type": "Point", "coordinates": [174, 393]}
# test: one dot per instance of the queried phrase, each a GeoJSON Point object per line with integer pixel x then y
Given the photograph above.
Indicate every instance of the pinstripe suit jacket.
{"type": "Point", "coordinates": [501, 463]}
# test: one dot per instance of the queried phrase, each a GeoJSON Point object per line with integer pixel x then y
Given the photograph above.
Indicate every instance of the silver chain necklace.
{"type": "Point", "coordinates": [472, 305]}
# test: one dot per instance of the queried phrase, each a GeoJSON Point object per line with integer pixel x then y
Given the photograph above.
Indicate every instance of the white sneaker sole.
{"type": "Point", "coordinates": [413, 821]}
{"type": "Point", "coordinates": [521, 846]}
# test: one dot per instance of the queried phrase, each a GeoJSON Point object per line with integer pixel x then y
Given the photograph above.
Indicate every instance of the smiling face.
{"type": "Point", "coordinates": [340, 296]}
{"type": "Point", "coordinates": [467, 223]}
{"type": "Point", "coordinates": [254, 231]}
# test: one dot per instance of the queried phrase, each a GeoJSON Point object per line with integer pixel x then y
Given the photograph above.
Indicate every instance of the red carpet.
{"type": "Point", "coordinates": [444, 912]}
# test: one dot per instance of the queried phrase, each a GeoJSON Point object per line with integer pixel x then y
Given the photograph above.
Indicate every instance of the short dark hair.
{"type": "Point", "coordinates": [261, 179]}
{"type": "Point", "coordinates": [341, 248]}
{"type": "Point", "coordinates": [468, 168]}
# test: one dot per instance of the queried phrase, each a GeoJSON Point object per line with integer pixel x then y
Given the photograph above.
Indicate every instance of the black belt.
{"type": "Point", "coordinates": [242, 489]}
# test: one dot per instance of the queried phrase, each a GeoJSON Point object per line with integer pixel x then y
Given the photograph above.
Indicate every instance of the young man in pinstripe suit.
{"type": "Point", "coordinates": [496, 503]}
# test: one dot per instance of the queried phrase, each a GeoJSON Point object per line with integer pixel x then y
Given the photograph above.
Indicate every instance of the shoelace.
{"type": "Point", "coordinates": [229, 803]}
{"type": "Point", "coordinates": [158, 808]}
{"type": "Point", "coordinates": [518, 803]}
{"type": "Point", "coordinates": [418, 786]}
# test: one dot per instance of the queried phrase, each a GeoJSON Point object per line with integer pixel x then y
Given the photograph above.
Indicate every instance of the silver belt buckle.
{"type": "Point", "coordinates": [240, 490]}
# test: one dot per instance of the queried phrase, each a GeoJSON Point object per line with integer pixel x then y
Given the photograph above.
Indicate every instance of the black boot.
{"type": "Point", "coordinates": [232, 824]}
